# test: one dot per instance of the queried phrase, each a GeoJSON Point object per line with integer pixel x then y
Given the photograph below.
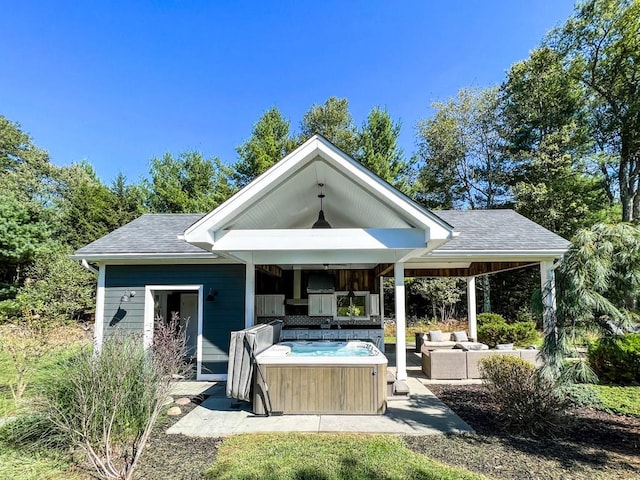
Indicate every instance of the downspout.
{"type": "Point", "coordinates": [86, 265]}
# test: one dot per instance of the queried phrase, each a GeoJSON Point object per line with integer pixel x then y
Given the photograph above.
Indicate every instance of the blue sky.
{"type": "Point", "coordinates": [117, 83]}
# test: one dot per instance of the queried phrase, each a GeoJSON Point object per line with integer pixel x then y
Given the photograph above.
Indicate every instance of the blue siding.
{"type": "Point", "coordinates": [221, 316]}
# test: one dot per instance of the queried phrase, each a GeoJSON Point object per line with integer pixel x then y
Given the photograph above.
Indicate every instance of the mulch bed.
{"type": "Point", "coordinates": [591, 445]}
{"type": "Point", "coordinates": [177, 457]}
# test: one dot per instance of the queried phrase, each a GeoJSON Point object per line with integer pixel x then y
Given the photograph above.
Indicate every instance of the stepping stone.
{"type": "Point", "coordinates": [167, 401]}
{"type": "Point", "coordinates": [183, 401]}
{"type": "Point", "coordinates": [174, 411]}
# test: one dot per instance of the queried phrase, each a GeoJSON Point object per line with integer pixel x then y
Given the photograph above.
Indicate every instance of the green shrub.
{"type": "Point", "coordinates": [106, 404]}
{"type": "Point", "coordinates": [611, 399]}
{"type": "Point", "coordinates": [582, 395]}
{"type": "Point", "coordinates": [617, 360]}
{"type": "Point", "coordinates": [527, 402]}
{"type": "Point", "coordinates": [520, 333]}
{"type": "Point", "coordinates": [485, 318]}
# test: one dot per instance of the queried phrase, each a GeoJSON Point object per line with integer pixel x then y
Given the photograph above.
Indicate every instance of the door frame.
{"type": "Point", "coordinates": [149, 318]}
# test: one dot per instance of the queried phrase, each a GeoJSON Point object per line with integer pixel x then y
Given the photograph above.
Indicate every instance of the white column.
{"type": "Point", "coordinates": [548, 285]}
{"type": "Point", "coordinates": [471, 308]}
{"type": "Point", "coordinates": [250, 295]}
{"type": "Point", "coordinates": [382, 304]}
{"type": "Point", "coordinates": [401, 342]}
{"type": "Point", "coordinates": [98, 327]}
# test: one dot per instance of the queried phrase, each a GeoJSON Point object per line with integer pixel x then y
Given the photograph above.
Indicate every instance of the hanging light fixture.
{"type": "Point", "coordinates": [321, 222]}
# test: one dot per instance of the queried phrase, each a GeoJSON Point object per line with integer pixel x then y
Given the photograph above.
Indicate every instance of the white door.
{"type": "Point", "coordinates": [189, 312]}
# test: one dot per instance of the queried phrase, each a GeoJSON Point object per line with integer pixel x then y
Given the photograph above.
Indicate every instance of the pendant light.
{"type": "Point", "coordinates": [321, 222]}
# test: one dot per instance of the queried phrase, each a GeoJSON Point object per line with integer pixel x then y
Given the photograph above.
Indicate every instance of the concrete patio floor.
{"type": "Point", "coordinates": [421, 414]}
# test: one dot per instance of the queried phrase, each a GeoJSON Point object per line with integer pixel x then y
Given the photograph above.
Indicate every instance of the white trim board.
{"type": "Point", "coordinates": [98, 328]}
{"type": "Point", "coordinates": [149, 317]}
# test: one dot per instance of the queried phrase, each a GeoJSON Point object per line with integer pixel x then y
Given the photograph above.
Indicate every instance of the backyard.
{"type": "Point", "coordinates": [600, 441]}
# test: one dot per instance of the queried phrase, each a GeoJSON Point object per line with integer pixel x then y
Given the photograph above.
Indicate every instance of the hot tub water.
{"type": "Point", "coordinates": [329, 349]}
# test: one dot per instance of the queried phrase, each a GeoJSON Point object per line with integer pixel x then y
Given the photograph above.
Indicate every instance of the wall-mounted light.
{"type": "Point", "coordinates": [212, 295]}
{"type": "Point", "coordinates": [127, 295]}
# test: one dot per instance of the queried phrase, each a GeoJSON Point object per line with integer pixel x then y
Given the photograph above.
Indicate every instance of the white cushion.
{"type": "Point", "coordinates": [437, 336]}
{"type": "Point", "coordinates": [460, 336]}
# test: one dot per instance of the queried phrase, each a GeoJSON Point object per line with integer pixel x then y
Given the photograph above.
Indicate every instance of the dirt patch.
{"type": "Point", "coordinates": [593, 444]}
{"type": "Point", "coordinates": [177, 457]}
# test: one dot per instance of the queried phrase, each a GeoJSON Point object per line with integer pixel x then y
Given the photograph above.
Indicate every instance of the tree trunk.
{"type": "Point", "coordinates": [629, 178]}
{"type": "Point", "coordinates": [486, 293]}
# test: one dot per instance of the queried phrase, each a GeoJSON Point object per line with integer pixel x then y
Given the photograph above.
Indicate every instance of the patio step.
{"type": "Point", "coordinates": [391, 378]}
{"type": "Point", "coordinates": [401, 389]}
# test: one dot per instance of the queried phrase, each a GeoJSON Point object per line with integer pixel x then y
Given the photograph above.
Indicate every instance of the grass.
{"type": "Point", "coordinates": [18, 464]}
{"type": "Point", "coordinates": [610, 399]}
{"type": "Point", "coordinates": [26, 462]}
{"type": "Point", "coordinates": [619, 400]}
{"type": "Point", "coordinates": [325, 457]}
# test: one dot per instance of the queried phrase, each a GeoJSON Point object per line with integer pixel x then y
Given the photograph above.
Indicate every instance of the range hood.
{"type": "Point", "coordinates": [297, 280]}
{"type": "Point", "coordinates": [320, 282]}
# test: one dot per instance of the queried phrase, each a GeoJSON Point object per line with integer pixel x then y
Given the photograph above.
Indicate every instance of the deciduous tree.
{"type": "Point", "coordinates": [333, 121]}
{"type": "Point", "coordinates": [189, 183]}
{"type": "Point", "coordinates": [600, 47]}
{"type": "Point", "coordinates": [462, 154]}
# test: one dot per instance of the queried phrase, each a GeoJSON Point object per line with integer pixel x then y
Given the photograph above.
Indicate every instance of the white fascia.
{"type": "Point", "coordinates": [153, 258]}
{"type": "Point", "coordinates": [497, 255]}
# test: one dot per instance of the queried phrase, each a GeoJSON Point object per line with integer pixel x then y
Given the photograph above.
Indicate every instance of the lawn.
{"type": "Point", "coordinates": [26, 462]}
{"type": "Point", "coordinates": [285, 456]}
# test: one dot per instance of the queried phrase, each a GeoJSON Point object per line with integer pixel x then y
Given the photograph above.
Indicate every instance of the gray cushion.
{"type": "Point", "coordinates": [437, 336]}
{"type": "Point", "coordinates": [460, 336]}
{"type": "Point", "coordinates": [504, 346]}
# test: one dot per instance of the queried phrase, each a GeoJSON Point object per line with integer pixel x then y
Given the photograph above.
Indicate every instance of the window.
{"type": "Point", "coordinates": [354, 307]}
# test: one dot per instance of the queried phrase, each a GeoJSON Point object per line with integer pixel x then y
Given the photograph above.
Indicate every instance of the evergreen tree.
{"type": "Point", "coordinates": [379, 150]}
{"type": "Point", "coordinates": [270, 141]}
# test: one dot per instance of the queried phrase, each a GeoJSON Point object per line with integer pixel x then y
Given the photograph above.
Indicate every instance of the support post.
{"type": "Point", "coordinates": [401, 342]}
{"type": "Point", "coordinates": [382, 304]}
{"type": "Point", "coordinates": [472, 308]}
{"type": "Point", "coordinates": [250, 295]}
{"type": "Point", "coordinates": [548, 286]}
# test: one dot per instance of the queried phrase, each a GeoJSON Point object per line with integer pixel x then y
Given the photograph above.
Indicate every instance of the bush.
{"type": "Point", "coordinates": [485, 318]}
{"type": "Point", "coordinates": [106, 404]}
{"type": "Point", "coordinates": [500, 332]}
{"type": "Point", "coordinates": [617, 360]}
{"type": "Point", "coordinates": [527, 402]}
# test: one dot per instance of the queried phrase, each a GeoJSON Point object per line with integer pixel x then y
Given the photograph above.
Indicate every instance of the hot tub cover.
{"type": "Point", "coordinates": [244, 346]}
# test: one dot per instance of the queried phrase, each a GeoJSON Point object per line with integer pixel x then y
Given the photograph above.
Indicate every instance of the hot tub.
{"type": "Point", "coordinates": [321, 378]}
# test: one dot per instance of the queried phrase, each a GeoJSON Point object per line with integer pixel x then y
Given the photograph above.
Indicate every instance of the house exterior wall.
{"type": "Point", "coordinates": [220, 317]}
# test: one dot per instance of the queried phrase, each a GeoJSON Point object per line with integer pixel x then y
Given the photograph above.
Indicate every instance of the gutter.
{"type": "Point", "coordinates": [86, 265]}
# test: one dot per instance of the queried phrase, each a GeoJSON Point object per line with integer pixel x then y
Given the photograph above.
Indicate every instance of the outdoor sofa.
{"type": "Point", "coordinates": [458, 364]}
{"type": "Point", "coordinates": [436, 339]}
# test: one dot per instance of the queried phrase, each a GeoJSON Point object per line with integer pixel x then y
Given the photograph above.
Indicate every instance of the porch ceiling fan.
{"type": "Point", "coordinates": [328, 266]}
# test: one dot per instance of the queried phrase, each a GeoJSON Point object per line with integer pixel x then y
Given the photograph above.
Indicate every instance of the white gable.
{"type": "Point", "coordinates": [282, 205]}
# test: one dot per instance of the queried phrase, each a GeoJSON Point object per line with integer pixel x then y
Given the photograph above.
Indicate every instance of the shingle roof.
{"type": "Point", "coordinates": [150, 233]}
{"type": "Point", "coordinates": [479, 230]}
{"type": "Point", "coordinates": [497, 230]}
